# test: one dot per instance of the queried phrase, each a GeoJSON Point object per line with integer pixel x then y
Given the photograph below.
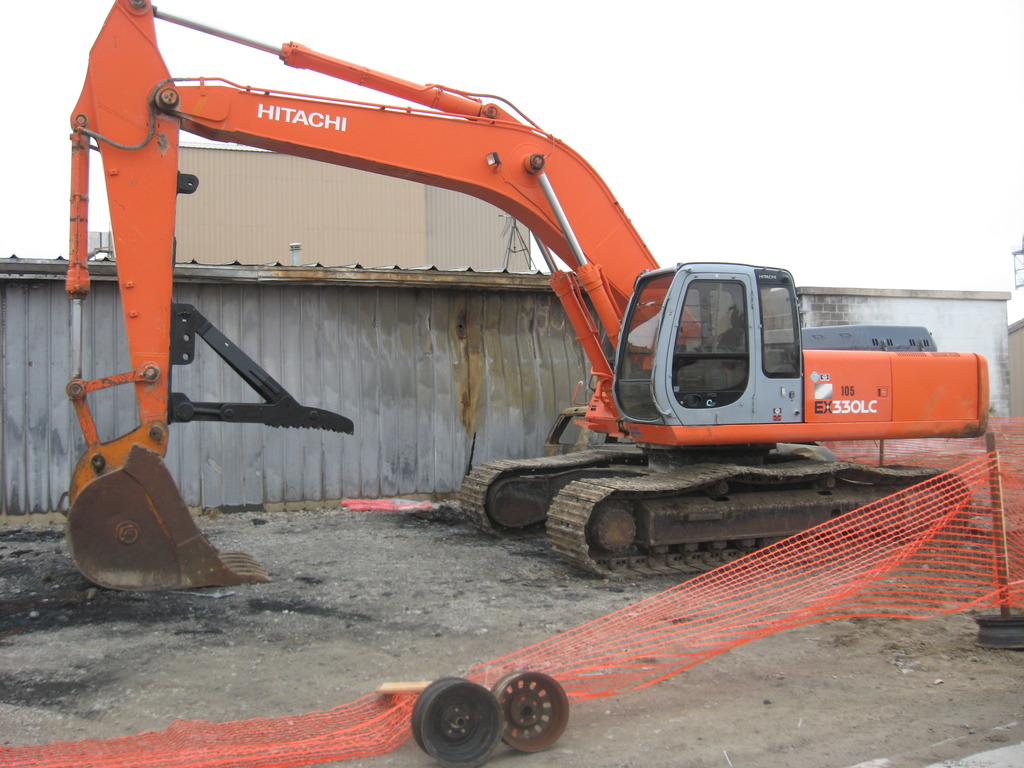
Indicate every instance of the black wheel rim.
{"type": "Point", "coordinates": [457, 722]}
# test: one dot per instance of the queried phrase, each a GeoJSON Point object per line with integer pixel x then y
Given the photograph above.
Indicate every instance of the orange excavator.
{"type": "Point", "coordinates": [708, 403]}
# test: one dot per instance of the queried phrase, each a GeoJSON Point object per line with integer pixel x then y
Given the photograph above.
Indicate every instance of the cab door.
{"type": "Point", "coordinates": [733, 357]}
{"type": "Point", "coordinates": [779, 358]}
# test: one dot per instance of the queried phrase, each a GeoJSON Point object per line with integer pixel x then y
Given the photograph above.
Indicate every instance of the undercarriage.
{"type": "Point", "coordinates": [623, 510]}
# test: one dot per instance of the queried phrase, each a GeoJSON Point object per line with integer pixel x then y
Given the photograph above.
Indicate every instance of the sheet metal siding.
{"type": "Point", "coordinates": [251, 205]}
{"type": "Point", "coordinates": [463, 231]}
{"type": "Point", "coordinates": [1015, 364]}
{"type": "Point", "coordinates": [39, 436]}
{"type": "Point", "coordinates": [421, 371]}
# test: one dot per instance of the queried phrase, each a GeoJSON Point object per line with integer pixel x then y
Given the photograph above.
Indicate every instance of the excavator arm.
{"type": "Point", "coordinates": [128, 526]}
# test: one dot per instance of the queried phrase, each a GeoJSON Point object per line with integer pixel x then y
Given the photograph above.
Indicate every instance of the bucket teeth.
{"type": "Point", "coordinates": [246, 566]}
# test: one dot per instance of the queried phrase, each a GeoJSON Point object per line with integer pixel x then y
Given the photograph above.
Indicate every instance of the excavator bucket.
{"type": "Point", "coordinates": [130, 529]}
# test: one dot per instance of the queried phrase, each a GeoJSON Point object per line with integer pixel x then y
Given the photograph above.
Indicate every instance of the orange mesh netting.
{"type": "Point", "coordinates": [919, 553]}
{"type": "Point", "coordinates": [367, 726]}
{"type": "Point", "coordinates": [952, 543]}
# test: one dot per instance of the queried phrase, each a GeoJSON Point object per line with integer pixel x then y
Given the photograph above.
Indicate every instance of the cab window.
{"type": "Point", "coordinates": [636, 353]}
{"type": "Point", "coordinates": [711, 360]}
{"type": "Point", "coordinates": [780, 355]}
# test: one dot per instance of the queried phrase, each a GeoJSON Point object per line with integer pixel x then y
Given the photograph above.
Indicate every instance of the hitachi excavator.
{"type": "Point", "coordinates": [708, 405]}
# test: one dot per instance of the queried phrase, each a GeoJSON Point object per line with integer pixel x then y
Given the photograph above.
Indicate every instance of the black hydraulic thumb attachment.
{"type": "Point", "coordinates": [279, 408]}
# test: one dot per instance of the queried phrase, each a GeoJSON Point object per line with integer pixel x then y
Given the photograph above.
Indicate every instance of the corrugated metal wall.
{"type": "Point", "coordinates": [425, 364]}
{"type": "Point", "coordinates": [463, 231]}
{"type": "Point", "coordinates": [251, 205]}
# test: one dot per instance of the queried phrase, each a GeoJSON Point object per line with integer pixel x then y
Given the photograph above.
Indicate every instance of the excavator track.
{"type": "Point", "coordinates": [813, 492]}
{"type": "Point", "coordinates": [483, 483]}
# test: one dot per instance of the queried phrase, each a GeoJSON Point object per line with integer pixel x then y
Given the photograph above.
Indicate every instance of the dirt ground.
{"type": "Point", "coordinates": [359, 598]}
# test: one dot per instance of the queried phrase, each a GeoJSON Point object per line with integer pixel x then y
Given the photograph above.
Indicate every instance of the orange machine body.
{"type": "Point", "coordinates": [923, 394]}
{"type": "Point", "coordinates": [859, 395]}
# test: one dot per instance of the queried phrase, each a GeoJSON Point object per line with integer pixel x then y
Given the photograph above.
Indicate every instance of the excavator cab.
{"type": "Point", "coordinates": [711, 344]}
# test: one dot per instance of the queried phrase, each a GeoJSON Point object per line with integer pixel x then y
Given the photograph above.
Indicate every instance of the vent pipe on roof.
{"type": "Point", "coordinates": [296, 249]}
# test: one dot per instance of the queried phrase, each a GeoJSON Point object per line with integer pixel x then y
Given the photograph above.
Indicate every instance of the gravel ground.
{"type": "Point", "coordinates": [359, 598]}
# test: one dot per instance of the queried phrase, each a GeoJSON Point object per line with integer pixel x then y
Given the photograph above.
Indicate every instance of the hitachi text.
{"type": "Point", "coordinates": [301, 117]}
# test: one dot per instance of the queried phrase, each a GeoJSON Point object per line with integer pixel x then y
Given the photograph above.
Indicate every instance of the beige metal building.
{"type": "Point", "coordinates": [1016, 334]}
{"type": "Point", "coordinates": [252, 205]}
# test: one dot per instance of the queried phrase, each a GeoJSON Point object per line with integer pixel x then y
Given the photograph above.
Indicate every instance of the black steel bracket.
{"type": "Point", "coordinates": [188, 183]}
{"type": "Point", "coordinates": [279, 408]}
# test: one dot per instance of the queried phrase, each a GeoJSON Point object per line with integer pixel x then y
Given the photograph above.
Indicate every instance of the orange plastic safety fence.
{"type": "Point", "coordinates": [951, 543]}
{"type": "Point", "coordinates": [942, 453]}
{"type": "Point", "coordinates": [925, 551]}
{"type": "Point", "coordinates": [370, 725]}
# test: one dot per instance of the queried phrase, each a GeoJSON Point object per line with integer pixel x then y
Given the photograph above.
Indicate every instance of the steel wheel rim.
{"type": "Point", "coordinates": [535, 708]}
{"type": "Point", "coordinates": [457, 722]}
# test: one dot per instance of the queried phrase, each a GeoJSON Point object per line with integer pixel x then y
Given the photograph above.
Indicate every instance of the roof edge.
{"type": "Point", "coordinates": [464, 279]}
{"type": "Point", "coordinates": [905, 293]}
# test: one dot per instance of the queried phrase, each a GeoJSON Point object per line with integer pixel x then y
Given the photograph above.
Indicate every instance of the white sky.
{"type": "Point", "coordinates": [877, 143]}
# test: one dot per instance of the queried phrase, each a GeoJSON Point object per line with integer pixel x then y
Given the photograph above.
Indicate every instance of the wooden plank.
{"type": "Point", "coordinates": [398, 688]}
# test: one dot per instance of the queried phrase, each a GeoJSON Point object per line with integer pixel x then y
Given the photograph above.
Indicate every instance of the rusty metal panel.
{"type": "Point", "coordinates": [434, 375]}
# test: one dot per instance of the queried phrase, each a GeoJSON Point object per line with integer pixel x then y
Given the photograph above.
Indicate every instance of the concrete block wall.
{"type": "Point", "coordinates": [960, 321]}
